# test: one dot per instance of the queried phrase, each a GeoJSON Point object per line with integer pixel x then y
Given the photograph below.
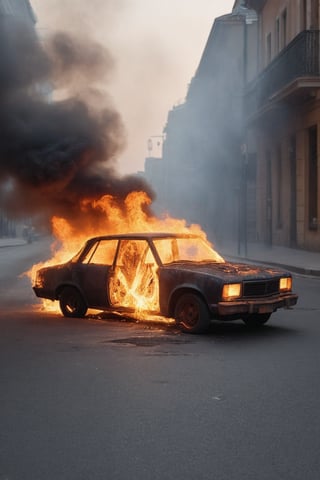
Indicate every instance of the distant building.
{"type": "Point", "coordinates": [241, 155]}
{"type": "Point", "coordinates": [12, 10]}
{"type": "Point", "coordinates": [18, 8]}
{"type": "Point", "coordinates": [153, 174]}
{"type": "Point", "coordinates": [202, 159]}
{"type": "Point", "coordinates": [283, 122]}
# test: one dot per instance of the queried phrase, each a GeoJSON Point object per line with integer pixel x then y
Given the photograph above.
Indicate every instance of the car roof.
{"type": "Point", "coordinates": [139, 236]}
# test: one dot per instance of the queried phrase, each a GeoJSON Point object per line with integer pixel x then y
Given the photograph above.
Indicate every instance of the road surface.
{"type": "Point", "coordinates": [107, 399]}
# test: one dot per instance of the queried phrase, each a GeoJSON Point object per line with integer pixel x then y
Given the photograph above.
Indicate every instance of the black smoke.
{"type": "Point", "coordinates": [54, 154]}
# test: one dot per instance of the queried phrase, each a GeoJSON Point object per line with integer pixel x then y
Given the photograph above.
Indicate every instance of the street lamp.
{"type": "Point", "coordinates": [150, 143]}
{"type": "Point", "coordinates": [243, 203]}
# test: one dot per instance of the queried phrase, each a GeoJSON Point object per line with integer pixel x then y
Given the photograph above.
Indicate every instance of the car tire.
{"type": "Point", "coordinates": [72, 303]}
{"type": "Point", "coordinates": [256, 320]}
{"type": "Point", "coordinates": [191, 314]}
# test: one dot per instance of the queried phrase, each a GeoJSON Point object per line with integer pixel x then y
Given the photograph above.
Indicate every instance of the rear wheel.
{"type": "Point", "coordinates": [72, 303]}
{"type": "Point", "coordinates": [191, 314]}
{"type": "Point", "coordinates": [256, 320]}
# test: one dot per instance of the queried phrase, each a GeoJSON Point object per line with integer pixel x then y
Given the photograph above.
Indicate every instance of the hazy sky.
{"type": "Point", "coordinates": [156, 44]}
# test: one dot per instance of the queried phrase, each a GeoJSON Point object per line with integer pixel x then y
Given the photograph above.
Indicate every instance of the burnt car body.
{"type": "Point", "coordinates": [172, 275]}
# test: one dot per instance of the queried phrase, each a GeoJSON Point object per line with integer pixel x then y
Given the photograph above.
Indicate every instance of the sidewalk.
{"type": "Point", "coordinates": [12, 242]}
{"type": "Point", "coordinates": [294, 260]}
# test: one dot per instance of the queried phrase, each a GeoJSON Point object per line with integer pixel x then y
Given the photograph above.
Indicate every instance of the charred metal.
{"type": "Point", "coordinates": [172, 275]}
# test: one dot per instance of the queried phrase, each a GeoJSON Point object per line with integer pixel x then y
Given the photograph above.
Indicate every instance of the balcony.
{"type": "Point", "coordinates": [255, 4]}
{"type": "Point", "coordinates": [292, 75]}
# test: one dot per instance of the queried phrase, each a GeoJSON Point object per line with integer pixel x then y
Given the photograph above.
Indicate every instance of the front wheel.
{"type": "Point", "coordinates": [191, 314]}
{"type": "Point", "coordinates": [256, 320]}
{"type": "Point", "coordinates": [72, 303]}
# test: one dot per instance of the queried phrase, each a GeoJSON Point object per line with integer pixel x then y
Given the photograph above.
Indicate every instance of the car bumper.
{"type": "Point", "coordinates": [42, 293]}
{"type": "Point", "coordinates": [255, 306]}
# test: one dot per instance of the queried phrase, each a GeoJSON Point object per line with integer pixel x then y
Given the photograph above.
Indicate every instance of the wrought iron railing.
{"type": "Point", "coordinates": [300, 58]}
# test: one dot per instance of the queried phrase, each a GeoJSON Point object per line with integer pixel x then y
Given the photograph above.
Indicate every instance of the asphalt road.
{"type": "Point", "coordinates": [103, 398]}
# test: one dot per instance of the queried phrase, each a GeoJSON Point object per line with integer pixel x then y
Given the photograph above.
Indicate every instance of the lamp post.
{"type": "Point", "coordinates": [243, 203]}
{"type": "Point", "coordinates": [150, 143]}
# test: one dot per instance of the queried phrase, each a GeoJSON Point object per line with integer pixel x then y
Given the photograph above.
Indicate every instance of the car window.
{"type": "Point", "coordinates": [191, 249]}
{"type": "Point", "coordinates": [134, 282]}
{"type": "Point", "coordinates": [166, 249]}
{"type": "Point", "coordinates": [102, 253]}
{"type": "Point", "coordinates": [133, 252]}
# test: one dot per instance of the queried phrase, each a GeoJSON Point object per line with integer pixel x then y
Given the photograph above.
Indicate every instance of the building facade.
{"type": "Point", "coordinates": [282, 107]}
{"type": "Point", "coordinates": [241, 154]}
{"type": "Point", "coordinates": [202, 160]}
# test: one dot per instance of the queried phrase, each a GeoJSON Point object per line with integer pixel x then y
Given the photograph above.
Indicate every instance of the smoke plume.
{"type": "Point", "coordinates": [56, 153]}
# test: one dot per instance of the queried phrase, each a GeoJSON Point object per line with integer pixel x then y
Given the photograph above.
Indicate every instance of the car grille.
{"type": "Point", "coordinates": [260, 289]}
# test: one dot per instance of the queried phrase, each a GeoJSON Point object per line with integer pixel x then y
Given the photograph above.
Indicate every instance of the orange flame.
{"type": "Point", "coordinates": [141, 292]}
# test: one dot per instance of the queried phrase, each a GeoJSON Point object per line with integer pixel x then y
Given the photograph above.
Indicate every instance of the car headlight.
{"type": "Point", "coordinates": [231, 291]}
{"type": "Point", "coordinates": [285, 284]}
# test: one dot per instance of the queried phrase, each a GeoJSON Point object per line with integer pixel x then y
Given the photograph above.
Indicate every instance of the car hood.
{"type": "Point", "coordinates": [228, 271]}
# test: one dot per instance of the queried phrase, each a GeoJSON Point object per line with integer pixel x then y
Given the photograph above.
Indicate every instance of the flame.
{"type": "Point", "coordinates": [134, 283]}
{"type": "Point", "coordinates": [134, 287]}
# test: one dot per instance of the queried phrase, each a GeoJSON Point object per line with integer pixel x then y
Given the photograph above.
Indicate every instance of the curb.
{"type": "Point", "coordinates": [18, 243]}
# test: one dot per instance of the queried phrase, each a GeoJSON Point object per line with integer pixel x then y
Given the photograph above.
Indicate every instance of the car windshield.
{"type": "Point", "coordinates": [182, 249]}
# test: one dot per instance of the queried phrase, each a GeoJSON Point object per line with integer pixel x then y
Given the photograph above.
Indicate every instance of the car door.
{"type": "Point", "coordinates": [133, 281]}
{"type": "Point", "coordinates": [92, 272]}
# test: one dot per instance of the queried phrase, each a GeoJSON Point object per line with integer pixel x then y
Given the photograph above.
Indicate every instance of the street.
{"type": "Point", "coordinates": [111, 399]}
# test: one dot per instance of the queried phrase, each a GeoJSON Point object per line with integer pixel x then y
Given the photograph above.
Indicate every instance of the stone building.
{"type": "Point", "coordinates": [202, 161]}
{"type": "Point", "coordinates": [241, 154]}
{"type": "Point", "coordinates": [282, 107]}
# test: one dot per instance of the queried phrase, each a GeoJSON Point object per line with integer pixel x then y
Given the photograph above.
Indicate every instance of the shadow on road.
{"type": "Point", "coordinates": [229, 331]}
{"type": "Point", "coordinates": [127, 331]}
{"type": "Point", "coordinates": [239, 331]}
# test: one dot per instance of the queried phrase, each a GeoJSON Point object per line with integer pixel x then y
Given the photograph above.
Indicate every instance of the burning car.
{"type": "Point", "coordinates": [177, 276]}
